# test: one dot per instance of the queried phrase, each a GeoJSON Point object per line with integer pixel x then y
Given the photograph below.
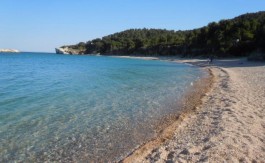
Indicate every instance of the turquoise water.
{"type": "Point", "coordinates": [73, 108]}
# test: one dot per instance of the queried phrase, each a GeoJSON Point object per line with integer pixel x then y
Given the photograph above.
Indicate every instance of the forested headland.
{"type": "Point", "coordinates": [240, 36]}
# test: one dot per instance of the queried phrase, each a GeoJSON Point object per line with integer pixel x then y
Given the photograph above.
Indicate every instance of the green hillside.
{"type": "Point", "coordinates": [239, 36]}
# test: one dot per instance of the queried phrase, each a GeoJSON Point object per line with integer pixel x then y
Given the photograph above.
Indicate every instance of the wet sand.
{"type": "Point", "coordinates": [227, 126]}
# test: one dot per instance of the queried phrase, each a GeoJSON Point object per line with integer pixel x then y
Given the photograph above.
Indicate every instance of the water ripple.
{"type": "Point", "coordinates": [73, 108]}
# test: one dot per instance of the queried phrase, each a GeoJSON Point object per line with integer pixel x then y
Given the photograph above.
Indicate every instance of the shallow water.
{"type": "Point", "coordinates": [74, 108]}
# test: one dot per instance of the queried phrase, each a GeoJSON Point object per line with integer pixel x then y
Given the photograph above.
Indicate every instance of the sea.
{"type": "Point", "coordinates": [72, 108]}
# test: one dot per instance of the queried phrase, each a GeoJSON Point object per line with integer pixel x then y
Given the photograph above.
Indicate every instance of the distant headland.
{"type": "Point", "coordinates": [237, 37]}
{"type": "Point", "coordinates": [9, 51]}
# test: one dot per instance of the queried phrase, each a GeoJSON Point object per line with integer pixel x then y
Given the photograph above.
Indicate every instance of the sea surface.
{"type": "Point", "coordinates": [74, 108]}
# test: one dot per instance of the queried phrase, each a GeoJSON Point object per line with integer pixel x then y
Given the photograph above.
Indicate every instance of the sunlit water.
{"type": "Point", "coordinates": [74, 108]}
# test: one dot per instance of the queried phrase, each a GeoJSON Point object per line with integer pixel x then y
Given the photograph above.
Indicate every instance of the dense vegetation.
{"type": "Point", "coordinates": [234, 37]}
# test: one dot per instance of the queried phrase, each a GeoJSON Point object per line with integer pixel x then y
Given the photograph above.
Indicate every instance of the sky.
{"type": "Point", "coordinates": [42, 25]}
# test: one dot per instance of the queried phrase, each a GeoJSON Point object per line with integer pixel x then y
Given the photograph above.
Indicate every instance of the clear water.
{"type": "Point", "coordinates": [74, 108]}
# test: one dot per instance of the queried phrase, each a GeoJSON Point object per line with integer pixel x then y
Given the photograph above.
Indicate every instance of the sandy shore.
{"type": "Point", "coordinates": [229, 125]}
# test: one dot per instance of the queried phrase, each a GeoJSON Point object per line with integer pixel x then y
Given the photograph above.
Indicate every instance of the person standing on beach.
{"type": "Point", "coordinates": [210, 59]}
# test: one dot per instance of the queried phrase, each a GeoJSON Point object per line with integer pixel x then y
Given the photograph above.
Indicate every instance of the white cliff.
{"type": "Point", "coordinates": [67, 50]}
{"type": "Point", "coordinates": [62, 51]}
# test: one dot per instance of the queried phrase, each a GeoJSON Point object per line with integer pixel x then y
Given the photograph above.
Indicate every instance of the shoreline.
{"type": "Point", "coordinates": [190, 102]}
{"type": "Point", "coordinates": [197, 92]}
{"type": "Point", "coordinates": [205, 133]}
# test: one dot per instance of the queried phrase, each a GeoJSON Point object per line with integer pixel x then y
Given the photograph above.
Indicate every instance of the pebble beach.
{"type": "Point", "coordinates": [228, 125]}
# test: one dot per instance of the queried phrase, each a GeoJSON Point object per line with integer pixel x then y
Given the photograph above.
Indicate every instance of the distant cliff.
{"type": "Point", "coordinates": [239, 36]}
{"type": "Point", "coordinates": [9, 51]}
{"type": "Point", "coordinates": [69, 50]}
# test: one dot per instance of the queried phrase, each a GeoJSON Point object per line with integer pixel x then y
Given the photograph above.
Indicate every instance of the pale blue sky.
{"type": "Point", "coordinates": [42, 25]}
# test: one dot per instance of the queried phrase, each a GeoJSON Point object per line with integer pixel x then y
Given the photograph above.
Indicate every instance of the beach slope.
{"type": "Point", "coordinates": [229, 126]}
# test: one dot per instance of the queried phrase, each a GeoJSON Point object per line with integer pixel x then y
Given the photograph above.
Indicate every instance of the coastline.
{"type": "Point", "coordinates": [217, 130]}
{"type": "Point", "coordinates": [9, 51]}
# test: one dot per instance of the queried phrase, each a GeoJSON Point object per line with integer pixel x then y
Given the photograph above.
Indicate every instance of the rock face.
{"type": "Point", "coordinates": [62, 51]}
{"type": "Point", "coordinates": [67, 50]}
{"type": "Point", "coordinates": [8, 51]}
